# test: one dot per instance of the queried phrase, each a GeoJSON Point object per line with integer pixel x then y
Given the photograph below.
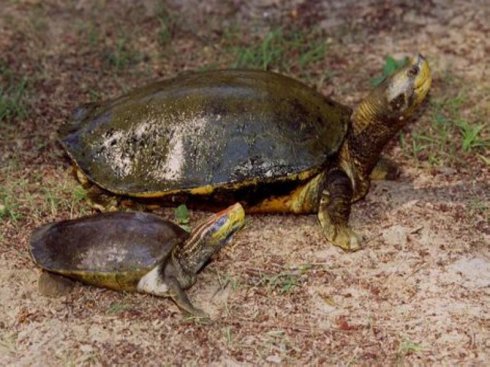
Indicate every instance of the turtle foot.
{"type": "Point", "coordinates": [53, 285]}
{"type": "Point", "coordinates": [347, 239]}
{"type": "Point", "coordinates": [199, 315]}
{"type": "Point", "coordinates": [344, 237]}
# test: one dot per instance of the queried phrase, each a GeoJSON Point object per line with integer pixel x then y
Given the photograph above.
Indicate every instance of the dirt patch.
{"type": "Point", "coordinates": [418, 293]}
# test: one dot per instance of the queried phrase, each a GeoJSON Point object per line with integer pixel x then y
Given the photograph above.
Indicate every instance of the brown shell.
{"type": "Point", "coordinates": [110, 249]}
{"type": "Point", "coordinates": [206, 129]}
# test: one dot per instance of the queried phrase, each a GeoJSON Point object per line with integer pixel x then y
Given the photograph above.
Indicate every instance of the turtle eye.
{"type": "Point", "coordinates": [220, 222]}
{"type": "Point", "coordinates": [413, 71]}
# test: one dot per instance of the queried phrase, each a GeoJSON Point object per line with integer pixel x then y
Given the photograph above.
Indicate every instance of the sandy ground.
{"type": "Point", "coordinates": [416, 294]}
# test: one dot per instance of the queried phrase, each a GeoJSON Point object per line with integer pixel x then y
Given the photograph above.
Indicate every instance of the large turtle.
{"type": "Point", "coordinates": [134, 251]}
{"type": "Point", "coordinates": [260, 138]}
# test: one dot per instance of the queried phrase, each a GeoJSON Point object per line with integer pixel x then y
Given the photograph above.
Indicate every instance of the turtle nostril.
{"type": "Point", "coordinates": [413, 71]}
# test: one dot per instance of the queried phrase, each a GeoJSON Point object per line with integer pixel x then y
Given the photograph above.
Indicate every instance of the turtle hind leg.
{"type": "Point", "coordinates": [385, 169]}
{"type": "Point", "coordinates": [53, 285]}
{"type": "Point", "coordinates": [181, 299]}
{"type": "Point", "coordinates": [97, 197]}
{"type": "Point", "coordinates": [334, 211]}
{"type": "Point", "coordinates": [101, 199]}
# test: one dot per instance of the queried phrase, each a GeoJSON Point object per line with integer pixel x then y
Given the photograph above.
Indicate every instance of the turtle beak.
{"type": "Point", "coordinates": [423, 79]}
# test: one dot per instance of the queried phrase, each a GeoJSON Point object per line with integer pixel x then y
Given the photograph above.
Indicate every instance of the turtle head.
{"type": "Point", "coordinates": [209, 237]}
{"type": "Point", "coordinates": [407, 88]}
{"type": "Point", "coordinates": [396, 98]}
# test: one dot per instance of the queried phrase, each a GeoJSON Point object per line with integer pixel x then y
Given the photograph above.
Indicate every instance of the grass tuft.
{"type": "Point", "coordinates": [391, 65]}
{"type": "Point", "coordinates": [284, 282]}
{"type": "Point", "coordinates": [12, 95]}
{"type": "Point", "coordinates": [167, 26]}
{"type": "Point", "coordinates": [118, 307]}
{"type": "Point", "coordinates": [182, 217]}
{"type": "Point", "coordinates": [122, 56]}
{"type": "Point", "coordinates": [21, 197]}
{"type": "Point", "coordinates": [284, 50]}
{"type": "Point", "coordinates": [407, 347]}
{"type": "Point", "coordinates": [453, 133]}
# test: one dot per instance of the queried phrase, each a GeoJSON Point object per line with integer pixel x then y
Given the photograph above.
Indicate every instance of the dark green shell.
{"type": "Point", "coordinates": [213, 128]}
{"type": "Point", "coordinates": [111, 249]}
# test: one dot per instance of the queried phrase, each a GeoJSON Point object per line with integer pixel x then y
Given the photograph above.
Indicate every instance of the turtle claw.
{"type": "Point", "coordinates": [199, 315]}
{"type": "Point", "coordinates": [347, 239]}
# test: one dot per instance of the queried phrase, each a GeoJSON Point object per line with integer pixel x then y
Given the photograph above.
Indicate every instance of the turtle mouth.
{"type": "Point", "coordinates": [423, 80]}
{"type": "Point", "coordinates": [421, 90]}
{"type": "Point", "coordinates": [424, 74]}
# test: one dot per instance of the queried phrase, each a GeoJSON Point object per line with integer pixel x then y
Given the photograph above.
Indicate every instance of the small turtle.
{"type": "Point", "coordinates": [259, 138]}
{"type": "Point", "coordinates": [134, 251]}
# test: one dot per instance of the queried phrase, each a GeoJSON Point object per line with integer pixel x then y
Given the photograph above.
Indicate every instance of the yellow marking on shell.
{"type": "Point", "coordinates": [305, 174]}
{"type": "Point", "coordinates": [209, 189]}
{"type": "Point", "coordinates": [149, 195]}
{"type": "Point", "coordinates": [203, 190]}
{"type": "Point", "coordinates": [119, 281]}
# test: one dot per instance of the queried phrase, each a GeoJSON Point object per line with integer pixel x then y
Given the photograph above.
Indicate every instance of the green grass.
{"type": "Point", "coordinates": [391, 65]}
{"type": "Point", "coordinates": [228, 335]}
{"type": "Point", "coordinates": [182, 217]}
{"type": "Point", "coordinates": [93, 35]}
{"type": "Point", "coordinates": [452, 132]}
{"type": "Point", "coordinates": [62, 197]}
{"type": "Point", "coordinates": [407, 347]}
{"type": "Point", "coordinates": [167, 25]}
{"type": "Point", "coordinates": [470, 135]}
{"type": "Point", "coordinates": [226, 279]}
{"type": "Point", "coordinates": [283, 282]}
{"type": "Point", "coordinates": [8, 342]}
{"type": "Point", "coordinates": [450, 137]}
{"type": "Point", "coordinates": [20, 197]}
{"type": "Point", "coordinates": [12, 94]}
{"type": "Point", "coordinates": [122, 56]}
{"type": "Point", "coordinates": [284, 50]}
{"type": "Point", "coordinates": [11, 193]}
{"type": "Point", "coordinates": [9, 208]}
{"type": "Point", "coordinates": [478, 207]}
{"type": "Point", "coordinates": [449, 133]}
{"type": "Point", "coordinates": [118, 307]}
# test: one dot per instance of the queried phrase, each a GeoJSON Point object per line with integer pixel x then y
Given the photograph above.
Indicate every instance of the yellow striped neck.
{"type": "Point", "coordinates": [198, 248]}
{"type": "Point", "coordinates": [372, 128]}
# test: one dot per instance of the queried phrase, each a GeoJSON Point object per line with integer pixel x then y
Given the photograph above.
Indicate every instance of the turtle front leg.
{"type": "Point", "coordinates": [334, 211]}
{"type": "Point", "coordinates": [181, 299]}
{"type": "Point", "coordinates": [385, 169]}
